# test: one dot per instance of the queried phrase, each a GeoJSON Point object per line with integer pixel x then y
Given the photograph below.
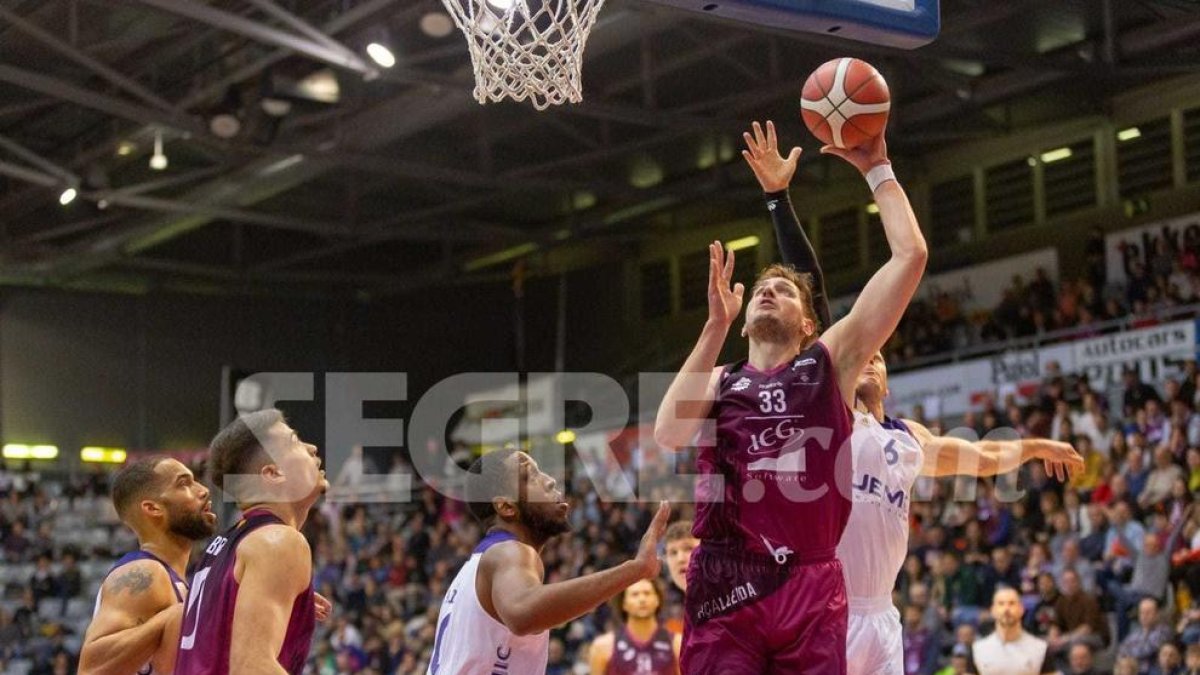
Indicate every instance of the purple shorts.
{"type": "Point", "coordinates": [747, 615]}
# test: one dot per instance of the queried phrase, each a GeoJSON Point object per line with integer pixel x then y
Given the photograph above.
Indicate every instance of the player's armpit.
{"type": "Point", "coordinates": [274, 566]}
{"type": "Point", "coordinates": [128, 628]}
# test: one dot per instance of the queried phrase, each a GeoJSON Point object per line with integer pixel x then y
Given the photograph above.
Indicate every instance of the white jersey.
{"type": "Point", "coordinates": [887, 461]}
{"type": "Point", "coordinates": [469, 640]}
{"type": "Point", "coordinates": [1024, 656]}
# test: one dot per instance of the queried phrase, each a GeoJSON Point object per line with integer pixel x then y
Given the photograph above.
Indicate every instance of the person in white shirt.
{"type": "Point", "coordinates": [1009, 650]}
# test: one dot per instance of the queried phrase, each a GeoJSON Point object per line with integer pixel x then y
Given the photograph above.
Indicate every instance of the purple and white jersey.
{"type": "Point", "coordinates": [205, 636]}
{"type": "Point", "coordinates": [631, 656]}
{"type": "Point", "coordinates": [177, 584]}
{"type": "Point", "coordinates": [781, 449]}
{"type": "Point", "coordinates": [469, 640]}
{"type": "Point", "coordinates": [887, 460]}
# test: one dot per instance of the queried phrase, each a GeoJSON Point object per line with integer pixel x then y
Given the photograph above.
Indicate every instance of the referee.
{"type": "Point", "coordinates": [1009, 650]}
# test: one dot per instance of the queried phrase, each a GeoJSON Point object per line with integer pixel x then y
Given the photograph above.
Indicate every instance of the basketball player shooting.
{"type": "Point", "coordinates": [134, 627]}
{"type": "Point", "coordinates": [766, 592]}
{"type": "Point", "coordinates": [498, 611]}
{"type": "Point", "coordinates": [888, 453]}
{"type": "Point", "coordinates": [252, 608]}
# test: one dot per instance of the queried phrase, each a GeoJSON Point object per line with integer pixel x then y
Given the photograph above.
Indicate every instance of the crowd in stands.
{"type": "Point", "coordinates": [1108, 565]}
{"type": "Point", "coordinates": [1167, 277]}
{"type": "Point", "coordinates": [58, 537]}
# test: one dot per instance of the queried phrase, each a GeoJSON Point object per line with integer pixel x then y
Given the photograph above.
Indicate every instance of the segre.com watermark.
{"type": "Point", "coordinates": [787, 456]}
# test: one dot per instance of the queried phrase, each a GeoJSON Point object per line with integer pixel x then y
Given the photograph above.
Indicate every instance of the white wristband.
{"type": "Point", "coordinates": [879, 175]}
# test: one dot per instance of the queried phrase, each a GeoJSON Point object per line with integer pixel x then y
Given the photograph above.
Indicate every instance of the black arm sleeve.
{"type": "Point", "coordinates": [798, 252]}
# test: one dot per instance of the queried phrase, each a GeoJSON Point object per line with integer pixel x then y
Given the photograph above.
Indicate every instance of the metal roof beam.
{"type": "Point", "coordinates": [92, 64]}
{"type": "Point", "coordinates": [96, 101]}
{"type": "Point", "coordinates": [263, 33]}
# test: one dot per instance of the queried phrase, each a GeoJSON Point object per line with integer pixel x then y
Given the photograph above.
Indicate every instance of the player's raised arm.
{"type": "Point", "coordinates": [691, 394]}
{"type": "Point", "coordinates": [883, 300]}
{"type": "Point", "coordinates": [275, 566]}
{"type": "Point", "coordinates": [135, 607]}
{"type": "Point", "coordinates": [526, 606]}
{"type": "Point", "coordinates": [774, 173]}
{"type": "Point", "coordinates": [949, 456]}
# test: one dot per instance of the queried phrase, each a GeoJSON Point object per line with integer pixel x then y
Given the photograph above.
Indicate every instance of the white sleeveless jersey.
{"type": "Point", "coordinates": [887, 461]}
{"type": "Point", "coordinates": [470, 641]}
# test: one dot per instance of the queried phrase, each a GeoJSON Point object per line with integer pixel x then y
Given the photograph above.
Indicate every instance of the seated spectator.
{"type": "Point", "coordinates": [1094, 464]}
{"type": "Point", "coordinates": [1169, 662]}
{"type": "Point", "coordinates": [1093, 546]}
{"type": "Point", "coordinates": [1161, 479]}
{"type": "Point", "coordinates": [1191, 659]}
{"type": "Point", "coordinates": [1078, 618]}
{"type": "Point", "coordinates": [1142, 643]}
{"type": "Point", "coordinates": [1072, 561]}
{"type": "Point", "coordinates": [1080, 661]}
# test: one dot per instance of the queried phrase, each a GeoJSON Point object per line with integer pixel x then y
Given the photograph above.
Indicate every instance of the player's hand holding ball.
{"type": "Point", "coordinates": [845, 104]}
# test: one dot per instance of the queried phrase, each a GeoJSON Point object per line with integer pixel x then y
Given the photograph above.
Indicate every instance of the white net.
{"type": "Point", "coordinates": [526, 49]}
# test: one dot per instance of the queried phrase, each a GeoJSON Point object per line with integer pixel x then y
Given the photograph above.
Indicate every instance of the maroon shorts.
{"type": "Point", "coordinates": [748, 615]}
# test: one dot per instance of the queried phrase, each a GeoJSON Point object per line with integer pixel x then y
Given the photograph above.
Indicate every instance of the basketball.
{"type": "Point", "coordinates": [845, 102]}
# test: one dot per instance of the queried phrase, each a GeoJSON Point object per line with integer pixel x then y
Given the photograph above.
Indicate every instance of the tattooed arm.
{"type": "Point", "coordinates": [136, 604]}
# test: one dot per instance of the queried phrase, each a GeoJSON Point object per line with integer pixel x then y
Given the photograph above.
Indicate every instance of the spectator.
{"type": "Point", "coordinates": [1191, 659]}
{"type": "Point", "coordinates": [1161, 480]}
{"type": "Point", "coordinates": [1152, 569]}
{"type": "Point", "coordinates": [1170, 661]}
{"type": "Point", "coordinates": [1137, 393]}
{"type": "Point", "coordinates": [920, 643]}
{"type": "Point", "coordinates": [1078, 618]}
{"type": "Point", "coordinates": [1080, 660]}
{"type": "Point", "coordinates": [1072, 561]}
{"type": "Point", "coordinates": [1143, 642]}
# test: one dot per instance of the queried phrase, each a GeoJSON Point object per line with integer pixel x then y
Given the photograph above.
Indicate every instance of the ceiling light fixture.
{"type": "Point", "coordinates": [158, 161]}
{"type": "Point", "coordinates": [380, 54]}
{"type": "Point", "coordinates": [68, 195]}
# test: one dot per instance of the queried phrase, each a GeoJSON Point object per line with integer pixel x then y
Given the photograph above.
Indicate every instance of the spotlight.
{"type": "Point", "coordinates": [158, 161]}
{"type": "Point", "coordinates": [68, 196]}
{"type": "Point", "coordinates": [381, 55]}
{"type": "Point", "coordinates": [126, 148]}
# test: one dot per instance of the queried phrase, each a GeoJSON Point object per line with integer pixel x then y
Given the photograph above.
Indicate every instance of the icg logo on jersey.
{"type": "Point", "coordinates": [766, 440]}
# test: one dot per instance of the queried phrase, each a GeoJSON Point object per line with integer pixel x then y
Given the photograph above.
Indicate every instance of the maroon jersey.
{"type": "Point", "coordinates": [779, 446]}
{"type": "Point", "coordinates": [208, 620]}
{"type": "Point", "coordinates": [633, 657]}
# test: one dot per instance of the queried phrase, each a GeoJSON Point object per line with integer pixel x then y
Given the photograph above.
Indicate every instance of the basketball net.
{"type": "Point", "coordinates": [526, 49]}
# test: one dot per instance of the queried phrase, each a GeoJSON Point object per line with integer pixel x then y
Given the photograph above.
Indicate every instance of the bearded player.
{"type": "Point", "coordinates": [139, 605]}
{"type": "Point", "coordinates": [252, 608]}
{"type": "Point", "coordinates": [766, 592]}
{"type": "Point", "coordinates": [498, 611]}
{"type": "Point", "coordinates": [888, 453]}
{"type": "Point", "coordinates": [642, 646]}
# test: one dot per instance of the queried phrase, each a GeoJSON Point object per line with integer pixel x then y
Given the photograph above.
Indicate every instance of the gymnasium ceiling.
{"type": "Point", "coordinates": [405, 181]}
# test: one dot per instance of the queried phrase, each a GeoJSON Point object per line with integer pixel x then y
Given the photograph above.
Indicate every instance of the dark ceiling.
{"type": "Point", "coordinates": [406, 179]}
